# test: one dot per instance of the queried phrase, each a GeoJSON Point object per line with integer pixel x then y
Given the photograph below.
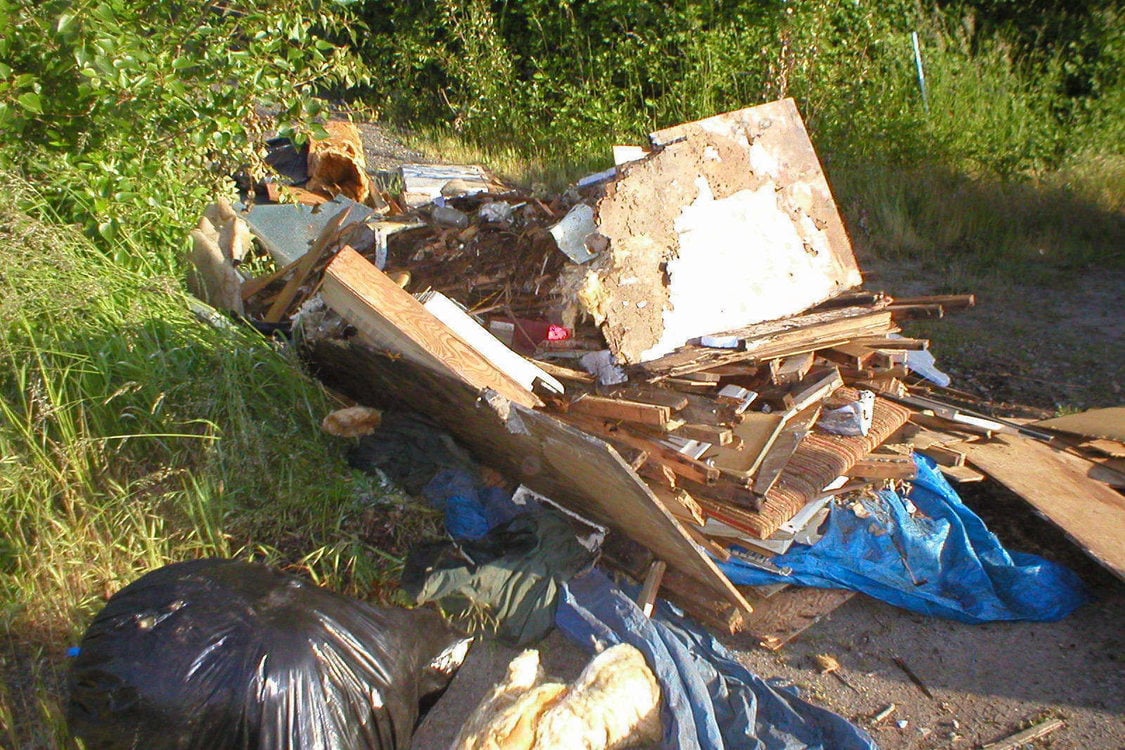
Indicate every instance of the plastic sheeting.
{"type": "Point", "coordinates": [942, 562]}
{"type": "Point", "coordinates": [710, 701]}
{"type": "Point", "coordinates": [220, 654]}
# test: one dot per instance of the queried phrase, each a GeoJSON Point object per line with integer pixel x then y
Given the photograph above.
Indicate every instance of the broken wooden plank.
{"type": "Point", "coordinates": [1058, 487]}
{"type": "Point", "coordinates": [304, 266]}
{"type": "Point", "coordinates": [1032, 733]}
{"type": "Point", "coordinates": [620, 409]}
{"type": "Point", "coordinates": [791, 369]}
{"type": "Point", "coordinates": [681, 465]}
{"type": "Point", "coordinates": [707, 433]}
{"type": "Point", "coordinates": [561, 462]}
{"type": "Point", "coordinates": [941, 454]}
{"type": "Point", "coordinates": [389, 318]}
{"type": "Point", "coordinates": [814, 390]}
{"type": "Point", "coordinates": [679, 503]}
{"type": "Point", "coordinates": [961, 474]}
{"type": "Point", "coordinates": [781, 618]}
{"type": "Point", "coordinates": [948, 301]}
{"type": "Point", "coordinates": [776, 338]}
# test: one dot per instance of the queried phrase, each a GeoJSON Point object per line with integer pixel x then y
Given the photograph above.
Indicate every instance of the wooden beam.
{"type": "Point", "coordinates": [791, 369]}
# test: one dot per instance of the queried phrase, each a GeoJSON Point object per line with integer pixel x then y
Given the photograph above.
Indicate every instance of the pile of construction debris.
{"type": "Point", "coordinates": [678, 348]}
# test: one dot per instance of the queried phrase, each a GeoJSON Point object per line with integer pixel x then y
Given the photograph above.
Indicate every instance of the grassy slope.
{"type": "Point", "coordinates": [133, 434]}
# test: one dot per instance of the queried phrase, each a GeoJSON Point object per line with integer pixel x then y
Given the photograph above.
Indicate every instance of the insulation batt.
{"type": "Point", "coordinates": [614, 704]}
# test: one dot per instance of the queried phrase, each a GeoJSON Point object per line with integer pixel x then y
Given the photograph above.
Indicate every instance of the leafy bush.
{"type": "Point", "coordinates": [130, 114]}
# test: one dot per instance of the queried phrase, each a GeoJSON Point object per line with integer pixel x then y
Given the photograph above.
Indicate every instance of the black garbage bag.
{"type": "Point", "coordinates": [216, 654]}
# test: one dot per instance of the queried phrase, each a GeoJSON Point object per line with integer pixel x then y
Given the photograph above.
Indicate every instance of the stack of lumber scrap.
{"type": "Point", "coordinates": [730, 435]}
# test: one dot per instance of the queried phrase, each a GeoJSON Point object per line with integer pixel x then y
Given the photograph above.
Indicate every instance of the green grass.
{"type": "Point", "coordinates": [131, 435]}
{"type": "Point", "coordinates": [967, 226]}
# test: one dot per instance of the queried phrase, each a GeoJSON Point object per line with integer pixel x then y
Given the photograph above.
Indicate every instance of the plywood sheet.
{"type": "Point", "coordinates": [1059, 487]}
{"type": "Point", "coordinates": [552, 458]}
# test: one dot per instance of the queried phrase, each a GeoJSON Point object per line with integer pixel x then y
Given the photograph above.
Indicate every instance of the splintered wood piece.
{"type": "Point", "coordinates": [647, 598]}
{"type": "Point", "coordinates": [389, 318]}
{"type": "Point", "coordinates": [252, 286]}
{"type": "Point", "coordinates": [682, 465]}
{"type": "Point", "coordinates": [781, 618]}
{"type": "Point", "coordinates": [679, 503]}
{"type": "Point", "coordinates": [1019, 739]}
{"type": "Point", "coordinates": [652, 395]}
{"type": "Point", "coordinates": [1058, 486]}
{"type": "Point", "coordinates": [941, 455]}
{"type": "Point", "coordinates": [889, 342]}
{"type": "Point", "coordinates": [791, 369]}
{"type": "Point", "coordinates": [916, 311]}
{"type": "Point", "coordinates": [879, 466]}
{"type": "Point", "coordinates": [783, 448]}
{"type": "Point", "coordinates": [716, 613]}
{"type": "Point", "coordinates": [850, 354]}
{"type": "Point", "coordinates": [778, 338]}
{"type": "Point", "coordinates": [629, 411]}
{"type": "Point", "coordinates": [565, 373]}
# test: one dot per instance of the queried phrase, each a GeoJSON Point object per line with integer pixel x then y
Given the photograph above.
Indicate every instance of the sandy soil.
{"type": "Point", "coordinates": [1028, 349]}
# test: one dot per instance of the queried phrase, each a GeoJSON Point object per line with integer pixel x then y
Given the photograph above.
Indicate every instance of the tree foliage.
{"type": "Point", "coordinates": [131, 113]}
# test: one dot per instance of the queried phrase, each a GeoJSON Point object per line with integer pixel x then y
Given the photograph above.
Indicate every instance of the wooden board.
{"type": "Point", "coordinates": [782, 617]}
{"type": "Point", "coordinates": [1096, 423]}
{"type": "Point", "coordinates": [1058, 486]}
{"type": "Point", "coordinates": [776, 338]}
{"type": "Point", "coordinates": [389, 318]}
{"type": "Point", "coordinates": [575, 469]}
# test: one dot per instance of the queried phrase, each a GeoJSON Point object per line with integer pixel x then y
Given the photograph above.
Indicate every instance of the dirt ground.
{"type": "Point", "coordinates": [1027, 349]}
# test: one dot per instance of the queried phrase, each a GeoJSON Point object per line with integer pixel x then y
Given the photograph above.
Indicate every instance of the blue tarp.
{"type": "Point", "coordinates": [944, 562]}
{"type": "Point", "coordinates": [710, 700]}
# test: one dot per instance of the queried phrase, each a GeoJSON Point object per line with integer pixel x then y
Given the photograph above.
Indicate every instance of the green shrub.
{"type": "Point", "coordinates": [130, 114]}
